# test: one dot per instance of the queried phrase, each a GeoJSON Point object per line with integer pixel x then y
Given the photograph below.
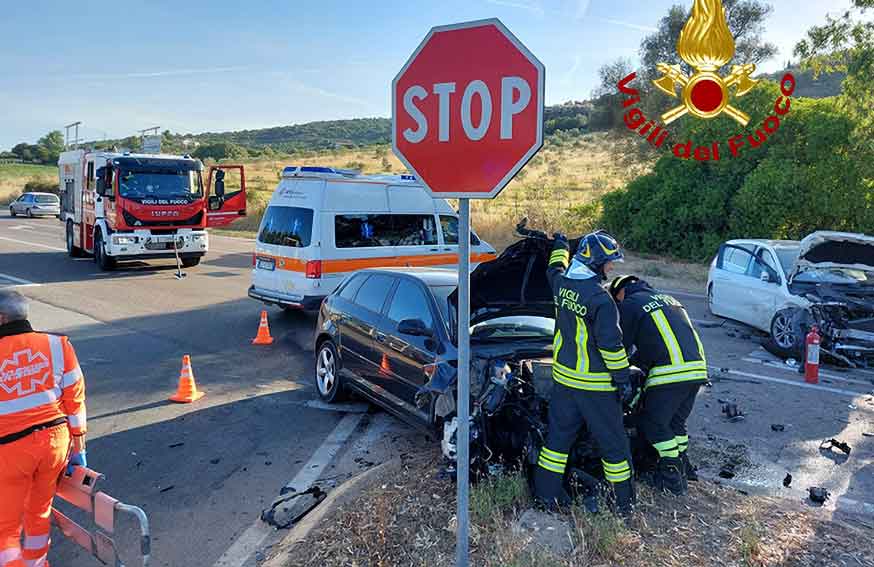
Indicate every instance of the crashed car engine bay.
{"type": "Point", "coordinates": [835, 275]}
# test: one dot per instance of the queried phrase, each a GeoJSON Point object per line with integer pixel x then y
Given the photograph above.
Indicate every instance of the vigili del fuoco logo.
{"type": "Point", "coordinates": [706, 44]}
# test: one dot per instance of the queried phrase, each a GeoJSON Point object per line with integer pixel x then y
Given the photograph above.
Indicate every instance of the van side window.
{"type": "Point", "coordinates": [449, 225]}
{"type": "Point", "coordinates": [365, 231]}
{"type": "Point", "coordinates": [287, 226]}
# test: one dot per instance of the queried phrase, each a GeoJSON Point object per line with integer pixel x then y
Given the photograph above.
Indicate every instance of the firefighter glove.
{"type": "Point", "coordinates": [77, 459]}
{"type": "Point", "coordinates": [625, 392]}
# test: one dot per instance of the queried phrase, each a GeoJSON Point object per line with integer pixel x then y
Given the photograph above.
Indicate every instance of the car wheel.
{"type": "Point", "coordinates": [190, 262]}
{"type": "Point", "coordinates": [104, 262]}
{"type": "Point", "coordinates": [710, 299]}
{"type": "Point", "coordinates": [787, 336]}
{"type": "Point", "coordinates": [29, 213]}
{"type": "Point", "coordinates": [328, 381]}
{"type": "Point", "coordinates": [12, 212]}
{"type": "Point", "coordinates": [73, 250]}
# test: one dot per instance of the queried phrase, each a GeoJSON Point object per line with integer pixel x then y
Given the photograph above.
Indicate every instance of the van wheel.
{"type": "Point", "coordinates": [328, 381]}
{"type": "Point", "coordinates": [190, 262]}
{"type": "Point", "coordinates": [104, 262]}
{"type": "Point", "coordinates": [12, 212]}
{"type": "Point", "coordinates": [72, 250]}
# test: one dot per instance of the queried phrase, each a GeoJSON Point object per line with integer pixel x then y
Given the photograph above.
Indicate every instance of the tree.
{"type": "Point", "coordinates": [745, 21]}
{"type": "Point", "coordinates": [610, 74]}
{"type": "Point", "coordinates": [847, 44]}
{"type": "Point", "coordinates": [50, 146]}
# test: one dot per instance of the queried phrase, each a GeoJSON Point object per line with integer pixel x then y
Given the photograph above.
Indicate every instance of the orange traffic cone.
{"type": "Point", "coordinates": [263, 337]}
{"type": "Point", "coordinates": [187, 391]}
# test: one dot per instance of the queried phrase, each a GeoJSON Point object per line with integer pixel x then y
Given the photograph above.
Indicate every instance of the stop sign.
{"type": "Point", "coordinates": [467, 109]}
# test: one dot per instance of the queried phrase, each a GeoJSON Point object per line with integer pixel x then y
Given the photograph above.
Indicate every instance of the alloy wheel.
{"type": "Point", "coordinates": [781, 331]}
{"type": "Point", "coordinates": [326, 371]}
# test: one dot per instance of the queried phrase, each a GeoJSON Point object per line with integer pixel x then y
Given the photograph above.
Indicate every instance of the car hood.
{"type": "Point", "coordinates": [826, 249]}
{"type": "Point", "coordinates": [514, 283]}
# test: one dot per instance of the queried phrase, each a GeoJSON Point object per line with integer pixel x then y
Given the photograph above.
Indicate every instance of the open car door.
{"type": "Point", "coordinates": [226, 194]}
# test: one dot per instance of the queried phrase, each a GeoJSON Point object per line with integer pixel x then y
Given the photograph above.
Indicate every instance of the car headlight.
{"type": "Point", "coordinates": [124, 239]}
{"type": "Point", "coordinates": [198, 237]}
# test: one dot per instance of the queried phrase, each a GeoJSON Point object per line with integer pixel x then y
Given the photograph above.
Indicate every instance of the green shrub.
{"type": "Point", "coordinates": [805, 177]}
{"type": "Point", "coordinates": [42, 186]}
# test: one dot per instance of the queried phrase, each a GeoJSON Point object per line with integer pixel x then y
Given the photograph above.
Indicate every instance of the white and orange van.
{"type": "Point", "coordinates": [324, 223]}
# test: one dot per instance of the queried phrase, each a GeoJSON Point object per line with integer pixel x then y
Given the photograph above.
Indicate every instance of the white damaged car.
{"type": "Point", "coordinates": [782, 287]}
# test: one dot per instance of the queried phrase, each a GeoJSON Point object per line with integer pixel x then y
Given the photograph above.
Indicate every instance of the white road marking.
{"type": "Point", "coordinates": [250, 541]}
{"type": "Point", "coordinates": [796, 383]}
{"type": "Point", "coordinates": [17, 282]}
{"type": "Point", "coordinates": [33, 244]}
{"type": "Point", "coordinates": [21, 227]}
{"type": "Point", "coordinates": [778, 366]}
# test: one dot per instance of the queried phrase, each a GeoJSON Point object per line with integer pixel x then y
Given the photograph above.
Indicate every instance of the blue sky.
{"type": "Point", "coordinates": [219, 65]}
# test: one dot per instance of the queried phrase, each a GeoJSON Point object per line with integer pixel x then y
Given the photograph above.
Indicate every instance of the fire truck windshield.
{"type": "Point", "coordinates": [160, 185]}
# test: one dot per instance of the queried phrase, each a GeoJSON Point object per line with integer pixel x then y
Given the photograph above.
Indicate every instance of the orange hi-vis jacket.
{"type": "Point", "coordinates": [40, 381]}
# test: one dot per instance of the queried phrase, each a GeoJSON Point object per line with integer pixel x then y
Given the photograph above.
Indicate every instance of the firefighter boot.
{"type": "Point", "coordinates": [549, 491]}
{"type": "Point", "coordinates": [689, 470]}
{"type": "Point", "coordinates": [625, 498]}
{"type": "Point", "coordinates": [669, 476]}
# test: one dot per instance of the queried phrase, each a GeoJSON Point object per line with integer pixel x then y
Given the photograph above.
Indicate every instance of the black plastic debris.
{"type": "Point", "coordinates": [290, 507]}
{"type": "Point", "coordinates": [777, 427]}
{"type": "Point", "coordinates": [727, 471]}
{"type": "Point", "coordinates": [787, 480]}
{"type": "Point", "coordinates": [835, 444]}
{"type": "Point", "coordinates": [818, 494]}
{"type": "Point", "coordinates": [732, 412]}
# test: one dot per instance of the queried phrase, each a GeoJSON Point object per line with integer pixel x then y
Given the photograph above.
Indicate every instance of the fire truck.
{"type": "Point", "coordinates": [121, 206]}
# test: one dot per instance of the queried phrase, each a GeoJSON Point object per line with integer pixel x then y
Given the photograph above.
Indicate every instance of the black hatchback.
{"type": "Point", "coordinates": [388, 334]}
{"type": "Point", "coordinates": [382, 333]}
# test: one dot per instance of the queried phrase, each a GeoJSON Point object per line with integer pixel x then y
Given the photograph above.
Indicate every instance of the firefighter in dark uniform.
{"type": "Point", "coordinates": [670, 352]}
{"type": "Point", "coordinates": [590, 368]}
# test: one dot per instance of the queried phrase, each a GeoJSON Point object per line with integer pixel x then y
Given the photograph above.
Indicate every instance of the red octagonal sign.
{"type": "Point", "coordinates": [467, 109]}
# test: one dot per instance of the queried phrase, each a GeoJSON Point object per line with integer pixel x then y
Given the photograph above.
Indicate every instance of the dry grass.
{"type": "Point", "coordinates": [13, 178]}
{"type": "Point", "coordinates": [550, 190]}
{"type": "Point", "coordinates": [409, 520]}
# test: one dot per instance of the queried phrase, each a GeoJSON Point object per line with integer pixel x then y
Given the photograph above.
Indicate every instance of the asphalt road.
{"type": "Point", "coordinates": [204, 471]}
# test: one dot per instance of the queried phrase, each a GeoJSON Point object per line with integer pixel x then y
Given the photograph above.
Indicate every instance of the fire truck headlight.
{"type": "Point", "coordinates": [116, 239]}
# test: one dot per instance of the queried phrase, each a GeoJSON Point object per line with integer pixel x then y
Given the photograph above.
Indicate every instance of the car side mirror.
{"type": "Point", "coordinates": [414, 327]}
{"type": "Point", "coordinates": [219, 185]}
{"type": "Point", "coordinates": [765, 276]}
{"type": "Point", "coordinates": [215, 203]}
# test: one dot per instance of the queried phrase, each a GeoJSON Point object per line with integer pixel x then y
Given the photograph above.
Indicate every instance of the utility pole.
{"type": "Point", "coordinates": [75, 142]}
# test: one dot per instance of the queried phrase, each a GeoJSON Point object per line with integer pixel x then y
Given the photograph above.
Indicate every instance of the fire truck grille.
{"type": "Point", "coordinates": [135, 222]}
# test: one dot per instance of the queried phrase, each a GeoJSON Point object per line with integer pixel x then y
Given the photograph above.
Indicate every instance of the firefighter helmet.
{"type": "Point", "coordinates": [596, 249]}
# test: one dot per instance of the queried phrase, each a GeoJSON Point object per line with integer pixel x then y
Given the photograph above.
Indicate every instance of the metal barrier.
{"type": "Point", "coordinates": [80, 490]}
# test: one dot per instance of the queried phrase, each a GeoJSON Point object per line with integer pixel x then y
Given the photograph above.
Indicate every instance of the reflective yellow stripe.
{"type": "Point", "coordinates": [667, 448]}
{"type": "Point", "coordinates": [668, 337]}
{"type": "Point", "coordinates": [554, 455]}
{"type": "Point", "coordinates": [688, 376]}
{"type": "Point", "coordinates": [677, 368]}
{"type": "Point", "coordinates": [559, 257]}
{"type": "Point", "coordinates": [616, 478]}
{"type": "Point", "coordinates": [616, 365]}
{"type": "Point", "coordinates": [695, 334]}
{"type": "Point", "coordinates": [580, 385]}
{"type": "Point", "coordinates": [614, 467]}
{"type": "Point", "coordinates": [613, 355]}
{"type": "Point", "coordinates": [582, 350]}
{"type": "Point", "coordinates": [682, 442]}
{"type": "Point", "coordinates": [573, 375]}
{"type": "Point", "coordinates": [556, 343]}
{"type": "Point", "coordinates": [550, 466]}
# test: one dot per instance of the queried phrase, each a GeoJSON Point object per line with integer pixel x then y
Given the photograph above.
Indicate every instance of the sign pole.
{"type": "Point", "coordinates": [463, 408]}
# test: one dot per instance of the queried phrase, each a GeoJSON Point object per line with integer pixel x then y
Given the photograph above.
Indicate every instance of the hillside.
{"type": "Point", "coordinates": [826, 85]}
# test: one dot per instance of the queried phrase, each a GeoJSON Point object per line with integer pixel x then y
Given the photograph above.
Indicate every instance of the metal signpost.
{"type": "Point", "coordinates": [467, 115]}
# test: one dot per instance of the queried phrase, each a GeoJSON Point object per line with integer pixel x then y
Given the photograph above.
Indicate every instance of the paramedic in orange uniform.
{"type": "Point", "coordinates": [42, 430]}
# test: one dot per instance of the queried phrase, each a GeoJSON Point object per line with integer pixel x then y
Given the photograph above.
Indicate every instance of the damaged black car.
{"type": "Point", "coordinates": [388, 336]}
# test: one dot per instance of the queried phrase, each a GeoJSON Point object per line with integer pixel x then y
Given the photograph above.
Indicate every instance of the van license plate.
{"type": "Point", "coordinates": [266, 264]}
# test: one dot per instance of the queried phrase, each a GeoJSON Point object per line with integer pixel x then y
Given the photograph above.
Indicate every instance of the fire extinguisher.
{"type": "Point", "coordinates": [811, 359]}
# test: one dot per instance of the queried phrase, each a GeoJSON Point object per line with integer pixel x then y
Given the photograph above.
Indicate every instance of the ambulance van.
{"type": "Point", "coordinates": [323, 224]}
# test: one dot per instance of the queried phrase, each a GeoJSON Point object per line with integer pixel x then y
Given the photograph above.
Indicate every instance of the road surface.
{"type": "Point", "coordinates": [204, 471]}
